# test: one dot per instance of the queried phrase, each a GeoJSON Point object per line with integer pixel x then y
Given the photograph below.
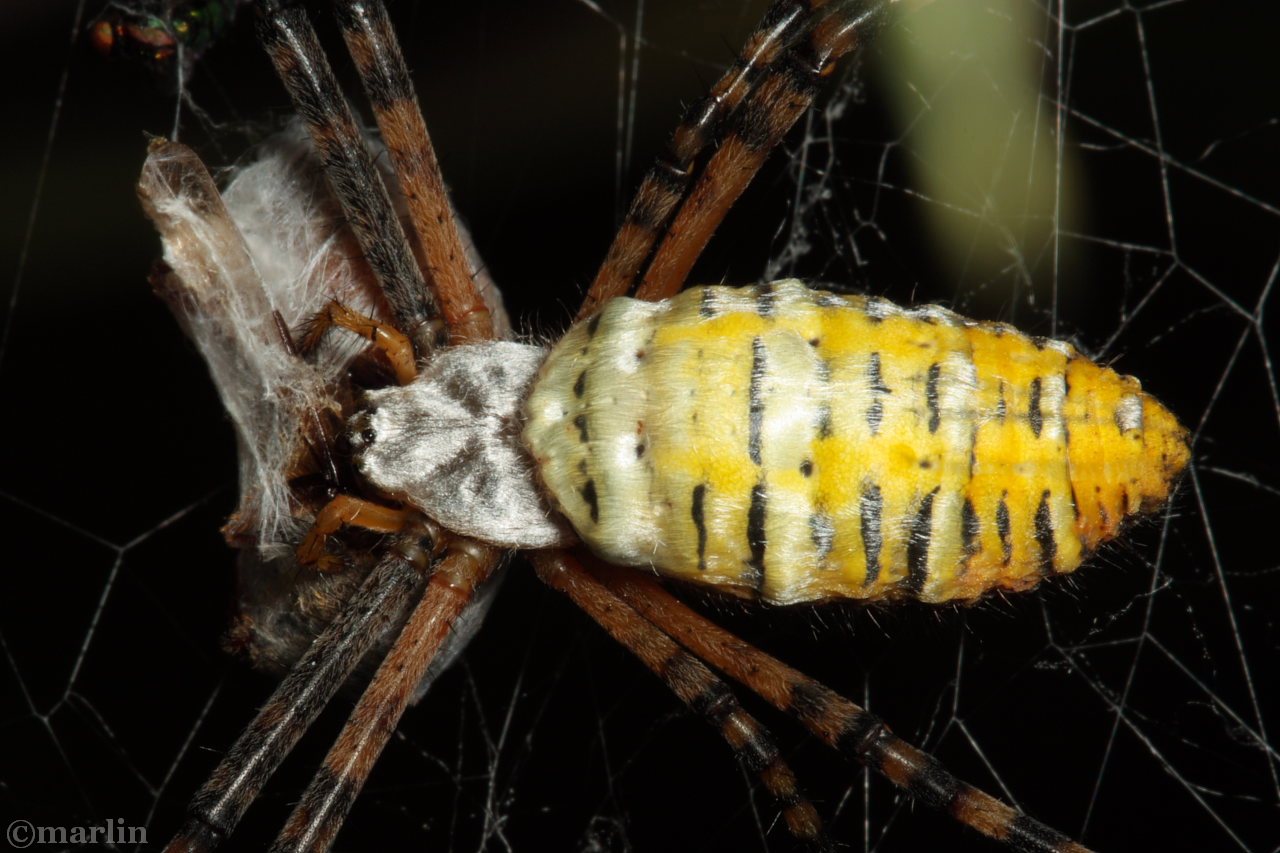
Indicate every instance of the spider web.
{"type": "Point", "coordinates": [1116, 188]}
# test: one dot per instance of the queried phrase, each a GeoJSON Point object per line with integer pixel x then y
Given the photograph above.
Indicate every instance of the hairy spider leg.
{"type": "Point", "coordinates": [851, 730]}
{"type": "Point", "coordinates": [755, 102]}
{"type": "Point", "coordinates": [216, 809]}
{"type": "Point", "coordinates": [315, 821]}
{"type": "Point", "coordinates": [347, 510]}
{"type": "Point", "coordinates": [668, 179]}
{"type": "Point", "coordinates": [693, 683]}
{"type": "Point", "coordinates": [291, 42]}
{"type": "Point", "coordinates": [289, 39]}
{"type": "Point", "coordinates": [773, 106]}
{"type": "Point", "coordinates": [302, 65]}
{"type": "Point", "coordinates": [384, 337]}
{"type": "Point", "coordinates": [380, 64]}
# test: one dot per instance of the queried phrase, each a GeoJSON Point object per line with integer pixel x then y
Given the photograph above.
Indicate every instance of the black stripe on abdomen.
{"type": "Point", "coordinates": [765, 299]}
{"type": "Point", "coordinates": [1004, 528]}
{"type": "Point", "coordinates": [755, 399]}
{"type": "Point", "coordinates": [593, 502]}
{"type": "Point", "coordinates": [971, 527]}
{"type": "Point", "coordinates": [1035, 415]}
{"type": "Point", "coordinates": [870, 512]}
{"type": "Point", "coordinates": [756, 535]}
{"type": "Point", "coordinates": [931, 397]}
{"type": "Point", "coordinates": [700, 523]}
{"type": "Point", "coordinates": [1044, 535]}
{"type": "Point", "coordinates": [918, 544]}
{"type": "Point", "coordinates": [876, 386]}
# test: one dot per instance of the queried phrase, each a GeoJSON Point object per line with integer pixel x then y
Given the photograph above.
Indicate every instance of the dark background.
{"type": "Point", "coordinates": [117, 464]}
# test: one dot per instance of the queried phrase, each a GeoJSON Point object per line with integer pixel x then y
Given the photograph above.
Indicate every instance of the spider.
{"type": "Point", "coordinates": [449, 499]}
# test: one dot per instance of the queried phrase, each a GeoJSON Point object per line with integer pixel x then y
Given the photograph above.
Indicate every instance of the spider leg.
{"type": "Point", "coordinates": [851, 730]}
{"type": "Point", "coordinates": [392, 342]}
{"type": "Point", "coordinates": [668, 179]}
{"type": "Point", "coordinates": [289, 39]}
{"type": "Point", "coordinates": [348, 510]}
{"type": "Point", "coordinates": [217, 807]}
{"type": "Point", "coordinates": [372, 44]}
{"type": "Point", "coordinates": [316, 819]}
{"type": "Point", "coordinates": [694, 684]}
{"type": "Point", "coordinates": [773, 106]}
{"type": "Point", "coordinates": [760, 102]}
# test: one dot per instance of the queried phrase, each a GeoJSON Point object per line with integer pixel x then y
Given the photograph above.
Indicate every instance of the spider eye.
{"type": "Point", "coordinates": [360, 432]}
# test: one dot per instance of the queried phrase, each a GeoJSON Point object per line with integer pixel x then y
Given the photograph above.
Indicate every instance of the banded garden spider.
{"type": "Point", "coordinates": [470, 561]}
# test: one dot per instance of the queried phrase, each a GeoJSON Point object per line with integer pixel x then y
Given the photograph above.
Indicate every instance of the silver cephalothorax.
{"type": "Point", "coordinates": [449, 444]}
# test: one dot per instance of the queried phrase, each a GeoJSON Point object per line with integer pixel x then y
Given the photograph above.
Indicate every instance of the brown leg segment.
{"type": "Point", "coordinates": [315, 821]}
{"type": "Point", "coordinates": [372, 43]}
{"type": "Point", "coordinates": [389, 340]}
{"type": "Point", "coordinates": [347, 509]}
{"type": "Point", "coordinates": [290, 41]}
{"type": "Point", "coordinates": [666, 183]}
{"type": "Point", "coordinates": [846, 727]}
{"type": "Point", "coordinates": [772, 83]}
{"type": "Point", "coordinates": [693, 683]}
{"type": "Point", "coordinates": [785, 93]}
{"type": "Point", "coordinates": [217, 807]}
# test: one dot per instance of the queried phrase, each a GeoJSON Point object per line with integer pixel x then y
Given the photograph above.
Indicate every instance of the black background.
{"type": "Point", "coordinates": [117, 463]}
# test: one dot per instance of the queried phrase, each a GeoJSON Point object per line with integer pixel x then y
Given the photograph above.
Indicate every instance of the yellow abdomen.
{"type": "Point", "coordinates": [798, 445]}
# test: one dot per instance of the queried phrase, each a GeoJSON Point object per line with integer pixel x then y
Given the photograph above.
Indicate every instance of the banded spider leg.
{"type": "Point", "coordinates": [693, 683]}
{"type": "Point", "coordinates": [751, 107]}
{"type": "Point", "coordinates": [852, 731]}
{"type": "Point", "coordinates": [286, 33]}
{"type": "Point", "coordinates": [315, 821]}
{"type": "Point", "coordinates": [290, 41]}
